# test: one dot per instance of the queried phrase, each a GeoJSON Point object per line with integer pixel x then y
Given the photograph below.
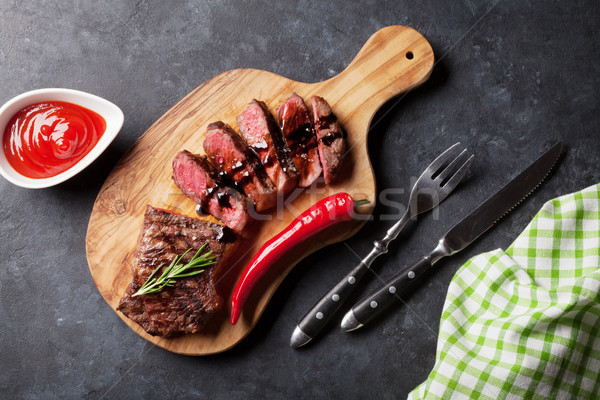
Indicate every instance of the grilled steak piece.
{"type": "Point", "coordinates": [298, 133]}
{"type": "Point", "coordinates": [199, 180]}
{"type": "Point", "coordinates": [330, 138]}
{"type": "Point", "coordinates": [261, 132]}
{"type": "Point", "coordinates": [188, 305]}
{"type": "Point", "coordinates": [232, 156]}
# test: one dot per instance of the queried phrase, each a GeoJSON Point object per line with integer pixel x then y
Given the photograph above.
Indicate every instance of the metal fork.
{"type": "Point", "coordinates": [432, 187]}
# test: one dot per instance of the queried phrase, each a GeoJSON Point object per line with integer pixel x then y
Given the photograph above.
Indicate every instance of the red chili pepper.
{"type": "Point", "coordinates": [329, 211]}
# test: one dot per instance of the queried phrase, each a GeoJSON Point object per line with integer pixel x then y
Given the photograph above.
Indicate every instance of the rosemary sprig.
{"type": "Point", "coordinates": [176, 270]}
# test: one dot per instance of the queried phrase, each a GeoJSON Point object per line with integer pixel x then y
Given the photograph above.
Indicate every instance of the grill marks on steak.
{"type": "Point", "coordinates": [199, 180]}
{"type": "Point", "coordinates": [330, 138]}
{"type": "Point", "coordinates": [261, 132]}
{"type": "Point", "coordinates": [232, 156]}
{"type": "Point", "coordinates": [298, 133]}
{"type": "Point", "coordinates": [192, 301]}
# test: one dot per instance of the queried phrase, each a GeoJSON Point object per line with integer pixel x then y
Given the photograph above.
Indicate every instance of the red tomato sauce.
{"type": "Point", "coordinates": [44, 139]}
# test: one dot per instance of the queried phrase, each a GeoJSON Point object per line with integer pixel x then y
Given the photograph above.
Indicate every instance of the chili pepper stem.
{"type": "Point", "coordinates": [358, 203]}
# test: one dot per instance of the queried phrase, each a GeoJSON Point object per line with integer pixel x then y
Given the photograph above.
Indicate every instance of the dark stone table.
{"type": "Point", "coordinates": [511, 78]}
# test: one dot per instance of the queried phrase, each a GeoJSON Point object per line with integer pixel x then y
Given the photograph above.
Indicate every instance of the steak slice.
{"type": "Point", "coordinates": [232, 156]}
{"type": "Point", "coordinates": [187, 306]}
{"type": "Point", "coordinates": [330, 138]}
{"type": "Point", "coordinates": [199, 180]}
{"type": "Point", "coordinates": [298, 133]}
{"type": "Point", "coordinates": [261, 132]}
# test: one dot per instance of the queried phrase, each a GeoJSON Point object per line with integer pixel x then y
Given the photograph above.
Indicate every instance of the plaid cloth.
{"type": "Point", "coordinates": [525, 322]}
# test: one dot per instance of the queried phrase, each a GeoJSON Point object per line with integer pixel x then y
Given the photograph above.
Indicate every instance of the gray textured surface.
{"type": "Point", "coordinates": [511, 78]}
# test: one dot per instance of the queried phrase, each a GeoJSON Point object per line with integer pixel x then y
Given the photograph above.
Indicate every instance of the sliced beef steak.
{"type": "Point", "coordinates": [232, 156]}
{"type": "Point", "coordinates": [298, 133]}
{"type": "Point", "coordinates": [229, 206]}
{"type": "Point", "coordinates": [199, 180]}
{"type": "Point", "coordinates": [195, 176]}
{"type": "Point", "coordinates": [261, 132]}
{"type": "Point", "coordinates": [191, 302]}
{"type": "Point", "coordinates": [330, 138]}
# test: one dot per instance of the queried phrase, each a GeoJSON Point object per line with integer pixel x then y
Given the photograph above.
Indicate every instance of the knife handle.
{"type": "Point", "coordinates": [322, 312]}
{"type": "Point", "coordinates": [388, 294]}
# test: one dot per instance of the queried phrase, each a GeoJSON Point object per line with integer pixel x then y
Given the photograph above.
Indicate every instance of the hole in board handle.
{"type": "Point", "coordinates": [410, 55]}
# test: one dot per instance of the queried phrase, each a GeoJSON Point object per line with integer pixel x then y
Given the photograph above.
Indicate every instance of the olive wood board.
{"type": "Point", "coordinates": [394, 60]}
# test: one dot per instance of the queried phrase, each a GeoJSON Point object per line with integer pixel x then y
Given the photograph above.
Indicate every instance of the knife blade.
{"type": "Point", "coordinates": [455, 240]}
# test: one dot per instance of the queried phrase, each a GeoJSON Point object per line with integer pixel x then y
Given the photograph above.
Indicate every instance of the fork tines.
{"type": "Point", "coordinates": [444, 170]}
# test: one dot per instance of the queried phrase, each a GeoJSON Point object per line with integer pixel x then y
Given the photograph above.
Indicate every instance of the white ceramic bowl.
{"type": "Point", "coordinates": [111, 113]}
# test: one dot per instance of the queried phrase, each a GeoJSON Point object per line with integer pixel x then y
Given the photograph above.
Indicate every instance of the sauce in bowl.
{"type": "Point", "coordinates": [44, 139]}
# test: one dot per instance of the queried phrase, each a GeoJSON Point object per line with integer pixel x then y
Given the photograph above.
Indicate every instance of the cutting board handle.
{"type": "Point", "coordinates": [394, 60]}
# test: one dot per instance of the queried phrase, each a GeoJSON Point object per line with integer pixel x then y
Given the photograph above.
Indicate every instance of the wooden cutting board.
{"type": "Point", "coordinates": [393, 60]}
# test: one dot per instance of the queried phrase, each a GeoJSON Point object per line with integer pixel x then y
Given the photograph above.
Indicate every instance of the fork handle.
{"type": "Point", "coordinates": [321, 313]}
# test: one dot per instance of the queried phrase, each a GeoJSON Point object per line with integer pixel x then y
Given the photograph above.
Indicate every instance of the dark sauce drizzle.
{"type": "Point", "coordinates": [325, 122]}
{"type": "Point", "coordinates": [226, 235]}
{"type": "Point", "coordinates": [224, 198]}
{"type": "Point", "coordinates": [298, 142]}
{"type": "Point", "coordinates": [200, 211]}
{"type": "Point", "coordinates": [328, 139]}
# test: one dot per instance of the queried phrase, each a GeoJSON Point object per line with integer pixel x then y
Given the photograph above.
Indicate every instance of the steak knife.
{"type": "Point", "coordinates": [455, 240]}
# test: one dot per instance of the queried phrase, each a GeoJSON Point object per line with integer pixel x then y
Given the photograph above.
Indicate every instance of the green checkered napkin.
{"type": "Point", "coordinates": [525, 322]}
